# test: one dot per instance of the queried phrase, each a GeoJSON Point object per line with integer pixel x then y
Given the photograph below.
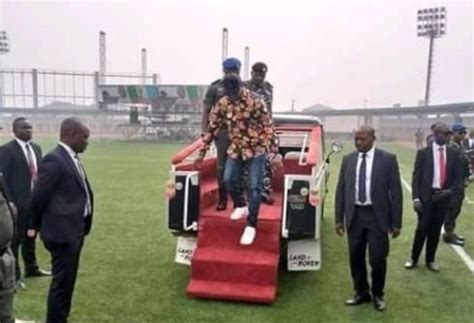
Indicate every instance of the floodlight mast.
{"type": "Point", "coordinates": [431, 24]}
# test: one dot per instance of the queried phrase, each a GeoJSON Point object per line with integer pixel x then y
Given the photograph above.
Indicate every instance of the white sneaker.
{"type": "Point", "coordinates": [239, 213]}
{"type": "Point", "coordinates": [248, 236]}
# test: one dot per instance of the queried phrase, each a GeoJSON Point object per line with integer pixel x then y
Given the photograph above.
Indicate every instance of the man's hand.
{"type": "Point", "coordinates": [418, 206]}
{"type": "Point", "coordinates": [442, 195]}
{"type": "Point", "coordinates": [448, 192]}
{"type": "Point", "coordinates": [276, 163]}
{"type": "Point", "coordinates": [340, 229]}
{"type": "Point", "coordinates": [198, 162]}
{"type": "Point", "coordinates": [395, 233]}
{"type": "Point", "coordinates": [31, 233]}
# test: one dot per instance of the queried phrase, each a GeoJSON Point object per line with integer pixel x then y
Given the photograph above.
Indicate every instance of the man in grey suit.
{"type": "Point", "coordinates": [369, 206]}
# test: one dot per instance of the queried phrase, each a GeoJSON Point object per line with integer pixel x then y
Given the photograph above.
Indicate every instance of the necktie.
{"type": "Point", "coordinates": [31, 164]}
{"type": "Point", "coordinates": [84, 182]}
{"type": "Point", "coordinates": [442, 168]}
{"type": "Point", "coordinates": [362, 179]}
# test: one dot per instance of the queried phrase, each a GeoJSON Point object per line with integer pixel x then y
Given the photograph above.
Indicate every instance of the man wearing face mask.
{"type": "Point", "coordinates": [19, 160]}
{"type": "Point", "coordinates": [369, 204]}
{"type": "Point", "coordinates": [252, 137]}
{"type": "Point", "coordinates": [231, 66]}
{"type": "Point", "coordinates": [264, 90]}
{"type": "Point", "coordinates": [436, 176]}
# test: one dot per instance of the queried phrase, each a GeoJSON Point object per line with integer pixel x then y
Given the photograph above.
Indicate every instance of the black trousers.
{"type": "Point", "coordinates": [454, 210]}
{"type": "Point", "coordinates": [24, 244]}
{"type": "Point", "coordinates": [65, 263]}
{"type": "Point", "coordinates": [222, 142]}
{"type": "Point", "coordinates": [365, 231]}
{"type": "Point", "coordinates": [428, 229]}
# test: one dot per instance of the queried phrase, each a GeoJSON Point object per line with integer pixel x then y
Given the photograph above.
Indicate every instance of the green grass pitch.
{"type": "Point", "coordinates": [127, 273]}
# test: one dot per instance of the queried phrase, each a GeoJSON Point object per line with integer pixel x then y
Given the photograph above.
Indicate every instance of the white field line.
{"type": "Point", "coordinates": [459, 250]}
{"type": "Point", "coordinates": [469, 201]}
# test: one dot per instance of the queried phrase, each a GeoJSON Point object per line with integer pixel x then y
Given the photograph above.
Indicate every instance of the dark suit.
{"type": "Point", "coordinates": [57, 207]}
{"type": "Point", "coordinates": [431, 219]}
{"type": "Point", "coordinates": [17, 175]}
{"type": "Point", "coordinates": [370, 224]}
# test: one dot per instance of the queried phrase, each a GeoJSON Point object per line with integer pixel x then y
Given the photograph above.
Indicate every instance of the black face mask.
{"type": "Point", "coordinates": [232, 85]}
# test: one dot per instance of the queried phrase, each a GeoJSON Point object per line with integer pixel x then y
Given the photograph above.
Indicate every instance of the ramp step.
{"type": "Point", "coordinates": [232, 291]}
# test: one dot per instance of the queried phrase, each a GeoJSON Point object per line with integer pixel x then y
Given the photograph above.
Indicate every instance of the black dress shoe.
{"type": "Point", "coordinates": [456, 242]}
{"type": "Point", "coordinates": [221, 206]}
{"type": "Point", "coordinates": [410, 264]}
{"type": "Point", "coordinates": [433, 267]}
{"type": "Point", "coordinates": [459, 237]}
{"type": "Point", "coordinates": [452, 238]}
{"type": "Point", "coordinates": [359, 299]}
{"type": "Point", "coordinates": [379, 303]}
{"type": "Point", "coordinates": [38, 273]}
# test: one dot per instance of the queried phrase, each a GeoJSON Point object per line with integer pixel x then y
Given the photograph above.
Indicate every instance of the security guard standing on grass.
{"type": "Point", "coordinates": [7, 261]}
{"type": "Point", "coordinates": [459, 133]}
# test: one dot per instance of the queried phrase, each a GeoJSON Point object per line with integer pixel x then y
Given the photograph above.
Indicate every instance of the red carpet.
{"type": "Point", "coordinates": [223, 269]}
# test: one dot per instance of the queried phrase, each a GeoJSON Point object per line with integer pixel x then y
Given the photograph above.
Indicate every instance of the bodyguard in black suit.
{"type": "Point", "coordinates": [19, 160]}
{"type": "Point", "coordinates": [369, 205]}
{"type": "Point", "coordinates": [61, 207]}
{"type": "Point", "coordinates": [436, 176]}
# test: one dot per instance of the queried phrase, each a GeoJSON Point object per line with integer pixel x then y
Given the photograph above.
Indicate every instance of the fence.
{"type": "Point", "coordinates": [22, 88]}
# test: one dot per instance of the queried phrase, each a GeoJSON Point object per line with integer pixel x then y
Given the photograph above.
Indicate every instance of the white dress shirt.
{"type": "Point", "coordinates": [80, 170]}
{"type": "Point", "coordinates": [369, 162]}
{"type": "Point", "coordinates": [437, 173]}
{"type": "Point", "coordinates": [25, 152]}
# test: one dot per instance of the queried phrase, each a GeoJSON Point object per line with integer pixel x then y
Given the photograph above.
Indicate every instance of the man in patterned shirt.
{"type": "Point", "coordinates": [250, 128]}
{"type": "Point", "coordinates": [215, 92]}
{"type": "Point", "coordinates": [264, 90]}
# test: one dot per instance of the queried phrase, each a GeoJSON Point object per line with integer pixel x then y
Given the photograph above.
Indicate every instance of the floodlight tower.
{"type": "Point", "coordinates": [4, 49]}
{"type": "Point", "coordinates": [246, 63]}
{"type": "Point", "coordinates": [225, 43]}
{"type": "Point", "coordinates": [431, 24]}
{"type": "Point", "coordinates": [144, 66]}
{"type": "Point", "coordinates": [102, 57]}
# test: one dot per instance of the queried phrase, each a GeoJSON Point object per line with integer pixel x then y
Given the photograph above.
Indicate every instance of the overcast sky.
{"type": "Point", "coordinates": [337, 53]}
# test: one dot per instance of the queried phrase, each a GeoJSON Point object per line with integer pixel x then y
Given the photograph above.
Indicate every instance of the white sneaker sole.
{"type": "Point", "coordinates": [237, 216]}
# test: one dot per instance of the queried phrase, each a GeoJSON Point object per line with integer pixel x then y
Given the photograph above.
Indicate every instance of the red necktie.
{"type": "Point", "coordinates": [442, 168]}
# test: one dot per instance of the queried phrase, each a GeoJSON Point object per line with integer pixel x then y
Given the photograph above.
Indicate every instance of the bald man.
{"type": "Point", "coordinates": [61, 209]}
{"type": "Point", "coordinates": [369, 206]}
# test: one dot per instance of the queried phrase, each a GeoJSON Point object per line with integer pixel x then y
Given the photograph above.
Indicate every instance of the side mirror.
{"type": "Point", "coordinates": [336, 147]}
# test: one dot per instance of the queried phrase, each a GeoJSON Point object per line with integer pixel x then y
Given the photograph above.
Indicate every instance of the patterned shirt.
{"type": "Point", "coordinates": [248, 122]}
